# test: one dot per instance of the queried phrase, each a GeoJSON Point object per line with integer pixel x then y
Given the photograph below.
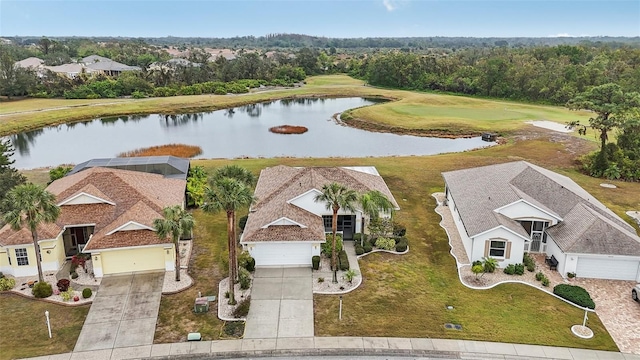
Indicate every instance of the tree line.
{"type": "Point", "coordinates": [552, 75]}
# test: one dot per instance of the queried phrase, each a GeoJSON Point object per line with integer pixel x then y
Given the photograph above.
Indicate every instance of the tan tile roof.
{"type": "Point", "coordinates": [138, 196]}
{"type": "Point", "coordinates": [279, 184]}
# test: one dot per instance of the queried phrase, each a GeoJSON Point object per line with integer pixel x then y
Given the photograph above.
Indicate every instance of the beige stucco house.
{"type": "Point", "coordinates": [105, 212]}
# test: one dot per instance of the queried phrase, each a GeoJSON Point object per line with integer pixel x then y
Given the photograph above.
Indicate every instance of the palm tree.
{"type": "Point", "coordinates": [176, 223]}
{"type": "Point", "coordinates": [336, 197]}
{"type": "Point", "coordinates": [31, 205]}
{"type": "Point", "coordinates": [228, 194]}
{"type": "Point", "coordinates": [249, 180]}
{"type": "Point", "coordinates": [372, 203]}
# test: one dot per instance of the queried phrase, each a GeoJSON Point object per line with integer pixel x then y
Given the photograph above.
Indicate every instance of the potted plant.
{"type": "Point", "coordinates": [571, 275]}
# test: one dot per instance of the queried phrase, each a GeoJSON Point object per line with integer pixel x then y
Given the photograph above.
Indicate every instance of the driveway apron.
{"type": "Point", "coordinates": [281, 304]}
{"type": "Point", "coordinates": [124, 312]}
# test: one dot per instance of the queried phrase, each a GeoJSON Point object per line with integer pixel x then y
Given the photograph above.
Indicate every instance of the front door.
{"type": "Point", "coordinates": [347, 227]}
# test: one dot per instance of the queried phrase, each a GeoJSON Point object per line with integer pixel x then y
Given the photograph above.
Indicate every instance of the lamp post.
{"type": "Point", "coordinates": [46, 315]}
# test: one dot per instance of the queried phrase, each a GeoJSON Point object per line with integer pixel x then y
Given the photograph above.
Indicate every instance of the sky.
{"type": "Point", "coordinates": [342, 19]}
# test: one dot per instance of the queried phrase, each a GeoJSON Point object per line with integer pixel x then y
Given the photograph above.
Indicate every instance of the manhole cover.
{"type": "Point", "coordinates": [453, 326]}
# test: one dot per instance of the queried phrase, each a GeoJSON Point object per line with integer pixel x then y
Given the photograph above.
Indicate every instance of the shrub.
{"type": "Point", "coordinates": [477, 262]}
{"type": "Point", "coordinates": [63, 284]}
{"type": "Point", "coordinates": [315, 261]}
{"type": "Point", "coordinates": [67, 295]}
{"type": "Point", "coordinates": [246, 261]}
{"type": "Point", "coordinates": [359, 250]}
{"type": "Point", "coordinates": [350, 274]}
{"type": "Point", "coordinates": [519, 269]}
{"type": "Point", "coordinates": [74, 275]}
{"type": "Point", "coordinates": [86, 293]}
{"type": "Point", "coordinates": [539, 276]}
{"type": "Point", "coordinates": [1, 275]}
{"type": "Point", "coordinates": [242, 222]}
{"type": "Point", "coordinates": [385, 243]}
{"type": "Point", "coordinates": [343, 261]}
{"type": "Point", "coordinates": [42, 290]}
{"type": "Point", "coordinates": [367, 247]}
{"type": "Point", "coordinates": [244, 277]}
{"type": "Point", "coordinates": [489, 264]}
{"type": "Point", "coordinates": [320, 279]}
{"type": "Point", "coordinates": [575, 294]}
{"type": "Point", "coordinates": [7, 284]}
{"type": "Point", "coordinates": [357, 237]}
{"type": "Point", "coordinates": [399, 230]}
{"type": "Point", "coordinates": [138, 95]}
{"type": "Point", "coordinates": [571, 275]}
{"type": "Point", "coordinates": [477, 269]}
{"type": "Point", "coordinates": [545, 281]}
{"type": "Point", "coordinates": [242, 309]}
{"type": "Point", "coordinates": [372, 240]}
{"type": "Point", "coordinates": [510, 269]}
{"type": "Point", "coordinates": [529, 263]}
{"type": "Point", "coordinates": [77, 260]}
{"type": "Point", "coordinates": [326, 246]}
{"type": "Point", "coordinates": [402, 245]}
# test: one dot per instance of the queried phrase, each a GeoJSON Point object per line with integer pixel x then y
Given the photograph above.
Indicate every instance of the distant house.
{"type": "Point", "coordinates": [105, 212]}
{"type": "Point", "coordinates": [286, 226]}
{"type": "Point", "coordinates": [502, 211]}
{"type": "Point", "coordinates": [106, 66]}
{"type": "Point", "coordinates": [71, 70]}
{"type": "Point", "coordinates": [172, 64]}
{"type": "Point", "coordinates": [32, 63]}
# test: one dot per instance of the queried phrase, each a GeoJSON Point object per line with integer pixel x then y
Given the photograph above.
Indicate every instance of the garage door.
{"type": "Point", "coordinates": [116, 262]}
{"type": "Point", "coordinates": [282, 254]}
{"type": "Point", "coordinates": [614, 269]}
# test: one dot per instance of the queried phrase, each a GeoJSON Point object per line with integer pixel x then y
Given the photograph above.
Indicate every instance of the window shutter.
{"type": "Point", "coordinates": [486, 248]}
{"type": "Point", "coordinates": [507, 253]}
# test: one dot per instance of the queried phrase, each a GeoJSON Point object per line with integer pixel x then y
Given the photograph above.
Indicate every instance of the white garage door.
{"type": "Point", "coordinates": [614, 269]}
{"type": "Point", "coordinates": [282, 254]}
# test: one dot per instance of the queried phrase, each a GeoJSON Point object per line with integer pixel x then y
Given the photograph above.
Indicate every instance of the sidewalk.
{"type": "Point", "coordinates": [353, 346]}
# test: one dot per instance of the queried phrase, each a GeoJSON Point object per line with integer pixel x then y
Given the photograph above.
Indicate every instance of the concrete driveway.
{"type": "Point", "coordinates": [124, 312]}
{"type": "Point", "coordinates": [617, 311]}
{"type": "Point", "coordinates": [281, 304]}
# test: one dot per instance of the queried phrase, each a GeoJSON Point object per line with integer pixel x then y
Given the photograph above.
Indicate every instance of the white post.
{"type": "Point", "coordinates": [340, 316]}
{"type": "Point", "coordinates": [46, 315]}
{"type": "Point", "coordinates": [584, 322]}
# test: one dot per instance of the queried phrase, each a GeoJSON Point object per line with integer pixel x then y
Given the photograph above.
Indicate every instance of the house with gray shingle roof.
{"type": "Point", "coordinates": [286, 225]}
{"type": "Point", "coordinates": [505, 210]}
{"type": "Point", "coordinates": [107, 213]}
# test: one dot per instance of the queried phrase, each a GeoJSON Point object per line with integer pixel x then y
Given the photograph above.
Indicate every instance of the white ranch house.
{"type": "Point", "coordinates": [503, 211]}
{"type": "Point", "coordinates": [286, 226]}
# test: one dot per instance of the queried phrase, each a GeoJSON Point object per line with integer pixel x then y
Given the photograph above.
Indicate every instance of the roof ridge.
{"type": "Point", "coordinates": [281, 188]}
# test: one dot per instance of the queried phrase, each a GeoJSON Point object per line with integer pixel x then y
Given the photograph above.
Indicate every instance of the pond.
{"type": "Point", "coordinates": [231, 133]}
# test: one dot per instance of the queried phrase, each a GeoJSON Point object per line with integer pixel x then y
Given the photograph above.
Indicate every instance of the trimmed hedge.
{"type": "Point", "coordinates": [359, 250]}
{"type": "Point", "coordinates": [367, 247]}
{"type": "Point", "coordinates": [315, 261]}
{"type": "Point", "coordinates": [327, 245]}
{"type": "Point", "coordinates": [343, 261]}
{"type": "Point", "coordinates": [575, 294]}
{"type": "Point", "coordinates": [42, 290]}
{"type": "Point", "coordinates": [86, 293]}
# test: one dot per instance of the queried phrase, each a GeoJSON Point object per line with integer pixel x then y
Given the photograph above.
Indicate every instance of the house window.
{"type": "Point", "coordinates": [21, 257]}
{"type": "Point", "coordinates": [328, 221]}
{"type": "Point", "coordinates": [497, 248]}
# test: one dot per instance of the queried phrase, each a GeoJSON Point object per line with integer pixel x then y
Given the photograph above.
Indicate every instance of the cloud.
{"type": "Point", "coordinates": [389, 4]}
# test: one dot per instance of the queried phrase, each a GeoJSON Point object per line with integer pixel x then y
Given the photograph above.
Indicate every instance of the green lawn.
{"type": "Point", "coordinates": [407, 296]}
{"type": "Point", "coordinates": [416, 112]}
{"type": "Point", "coordinates": [24, 329]}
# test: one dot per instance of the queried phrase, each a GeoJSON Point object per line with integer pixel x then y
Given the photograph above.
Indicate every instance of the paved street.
{"type": "Point", "coordinates": [281, 304]}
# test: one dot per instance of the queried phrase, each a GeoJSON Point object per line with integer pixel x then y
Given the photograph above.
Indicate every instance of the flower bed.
{"type": "Point", "coordinates": [288, 129]}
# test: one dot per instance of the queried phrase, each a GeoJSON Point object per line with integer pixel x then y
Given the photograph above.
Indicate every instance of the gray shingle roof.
{"type": "Point", "coordinates": [477, 192]}
{"type": "Point", "coordinates": [279, 184]}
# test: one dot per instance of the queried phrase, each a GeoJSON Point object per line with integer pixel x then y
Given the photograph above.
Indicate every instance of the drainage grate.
{"type": "Point", "coordinates": [453, 326]}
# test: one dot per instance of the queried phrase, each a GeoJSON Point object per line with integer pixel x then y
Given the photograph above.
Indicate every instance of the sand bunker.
{"type": "Point", "coordinates": [550, 125]}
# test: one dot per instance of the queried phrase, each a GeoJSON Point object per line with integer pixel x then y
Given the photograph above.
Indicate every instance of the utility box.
{"type": "Point", "coordinates": [201, 305]}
